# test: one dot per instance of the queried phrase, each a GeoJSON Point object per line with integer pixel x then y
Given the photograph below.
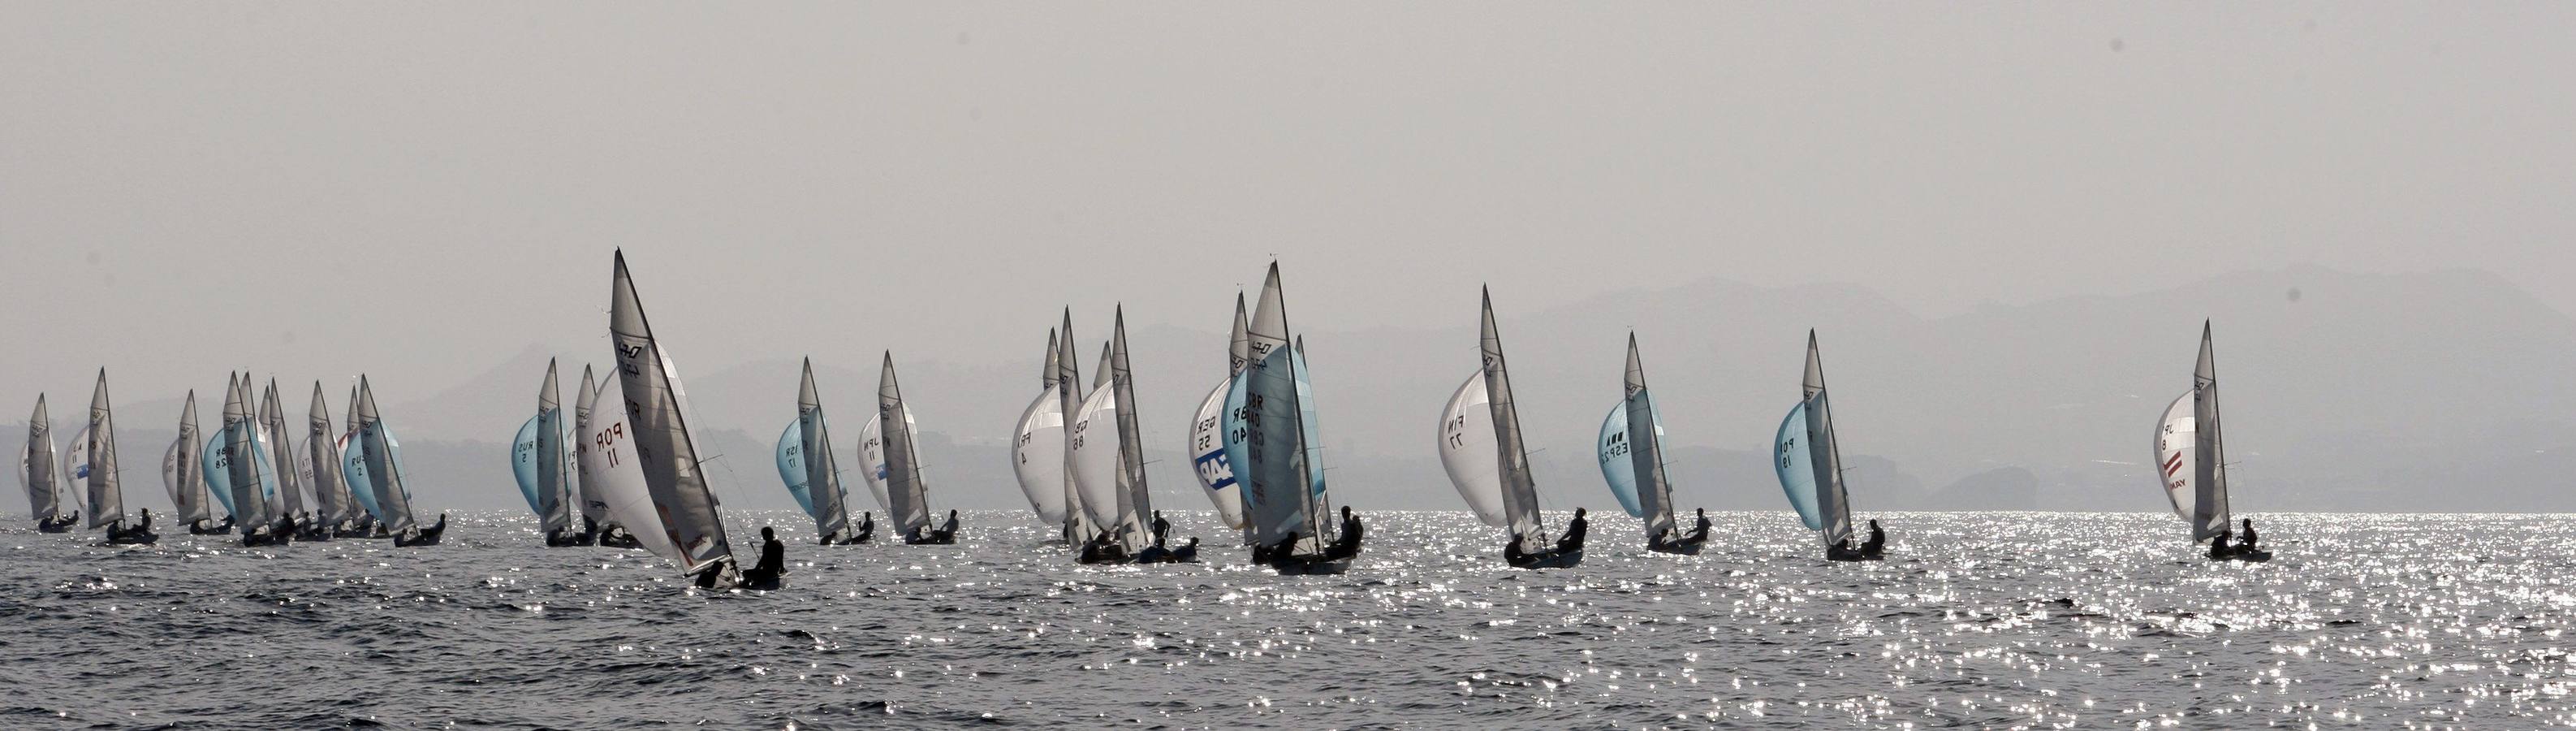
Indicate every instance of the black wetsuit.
{"type": "Point", "coordinates": [1574, 532]}
{"type": "Point", "coordinates": [773, 564]}
{"type": "Point", "coordinates": [1512, 552]}
{"type": "Point", "coordinates": [1161, 528]}
{"type": "Point", "coordinates": [1877, 543]}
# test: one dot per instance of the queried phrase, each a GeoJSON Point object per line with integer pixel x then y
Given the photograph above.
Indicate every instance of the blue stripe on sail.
{"type": "Point", "coordinates": [523, 464]}
{"type": "Point", "coordinates": [1215, 469]}
{"type": "Point", "coordinates": [1617, 467]}
{"type": "Point", "coordinates": [791, 466]}
{"type": "Point", "coordinates": [1797, 468]}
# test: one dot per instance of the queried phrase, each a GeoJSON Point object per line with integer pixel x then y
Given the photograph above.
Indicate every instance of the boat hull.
{"type": "Point", "coordinates": [1553, 559]}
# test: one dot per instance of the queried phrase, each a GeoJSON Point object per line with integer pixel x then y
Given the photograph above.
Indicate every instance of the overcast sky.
{"type": "Point", "coordinates": [422, 190]}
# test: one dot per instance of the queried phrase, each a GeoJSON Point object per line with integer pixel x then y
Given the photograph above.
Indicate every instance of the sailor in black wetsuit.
{"type": "Point", "coordinates": [1574, 532]}
{"type": "Point", "coordinates": [867, 526]}
{"type": "Point", "coordinates": [946, 533]}
{"type": "Point", "coordinates": [1162, 528]}
{"type": "Point", "coordinates": [1877, 543]}
{"type": "Point", "coordinates": [145, 526]}
{"type": "Point", "coordinates": [1512, 552]}
{"type": "Point", "coordinates": [2218, 548]}
{"type": "Point", "coordinates": [773, 562]}
{"type": "Point", "coordinates": [1284, 550]}
{"type": "Point", "coordinates": [1699, 533]}
{"type": "Point", "coordinates": [1349, 544]}
{"type": "Point", "coordinates": [2245, 545]}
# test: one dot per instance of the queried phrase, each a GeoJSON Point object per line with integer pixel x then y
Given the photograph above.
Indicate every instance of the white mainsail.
{"type": "Point", "coordinates": [664, 447]}
{"type": "Point", "coordinates": [1520, 489]}
{"type": "Point", "coordinates": [38, 467]}
{"type": "Point", "coordinates": [817, 468]}
{"type": "Point", "coordinates": [594, 508]}
{"type": "Point", "coordinates": [180, 471]}
{"type": "Point", "coordinates": [554, 490]}
{"type": "Point", "coordinates": [615, 472]}
{"type": "Point", "coordinates": [1644, 438]}
{"type": "Point", "coordinates": [281, 452]}
{"type": "Point", "coordinates": [381, 453]}
{"type": "Point", "coordinates": [909, 494]}
{"type": "Point", "coordinates": [1078, 525]}
{"type": "Point", "coordinates": [106, 501]}
{"type": "Point", "coordinates": [2191, 460]}
{"type": "Point", "coordinates": [1282, 490]}
{"type": "Point", "coordinates": [322, 451]}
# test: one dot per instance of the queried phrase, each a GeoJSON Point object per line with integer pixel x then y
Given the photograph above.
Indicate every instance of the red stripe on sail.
{"type": "Point", "coordinates": [2173, 465]}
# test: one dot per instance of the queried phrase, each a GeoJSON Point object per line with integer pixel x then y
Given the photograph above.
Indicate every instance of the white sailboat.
{"type": "Point", "coordinates": [39, 470]}
{"type": "Point", "coordinates": [342, 512]}
{"type": "Point", "coordinates": [1109, 461]}
{"type": "Point", "coordinates": [1809, 462]}
{"type": "Point", "coordinates": [2191, 462]}
{"type": "Point", "coordinates": [1277, 459]}
{"type": "Point", "coordinates": [1631, 449]}
{"type": "Point", "coordinates": [1207, 433]}
{"type": "Point", "coordinates": [184, 474]}
{"type": "Point", "coordinates": [678, 504]}
{"type": "Point", "coordinates": [1481, 429]}
{"type": "Point", "coordinates": [238, 463]}
{"type": "Point", "coordinates": [906, 490]}
{"type": "Point", "coordinates": [281, 452]}
{"type": "Point", "coordinates": [382, 454]}
{"type": "Point", "coordinates": [98, 474]}
{"type": "Point", "coordinates": [1037, 444]}
{"type": "Point", "coordinates": [544, 466]}
{"type": "Point", "coordinates": [811, 471]}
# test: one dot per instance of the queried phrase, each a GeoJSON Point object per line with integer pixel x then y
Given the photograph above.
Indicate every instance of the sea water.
{"type": "Point", "coordinates": [2008, 620]}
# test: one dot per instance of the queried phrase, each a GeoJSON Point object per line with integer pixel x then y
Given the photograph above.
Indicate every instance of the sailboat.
{"type": "Point", "coordinates": [1632, 461]}
{"type": "Point", "coordinates": [811, 471]}
{"type": "Point", "coordinates": [1278, 457]}
{"type": "Point", "coordinates": [1809, 462]}
{"type": "Point", "coordinates": [1109, 461]}
{"type": "Point", "coordinates": [1037, 445]}
{"type": "Point", "coordinates": [1080, 533]}
{"type": "Point", "coordinates": [2191, 462]}
{"type": "Point", "coordinates": [353, 468]}
{"type": "Point", "coordinates": [598, 523]}
{"type": "Point", "coordinates": [909, 496]}
{"type": "Point", "coordinates": [290, 483]}
{"type": "Point", "coordinates": [341, 511]}
{"type": "Point", "coordinates": [543, 466]}
{"type": "Point", "coordinates": [1481, 447]}
{"type": "Point", "coordinates": [1207, 433]}
{"type": "Point", "coordinates": [676, 513]}
{"type": "Point", "coordinates": [382, 454]}
{"type": "Point", "coordinates": [184, 474]}
{"type": "Point", "coordinates": [237, 463]}
{"type": "Point", "coordinates": [39, 471]}
{"type": "Point", "coordinates": [96, 468]}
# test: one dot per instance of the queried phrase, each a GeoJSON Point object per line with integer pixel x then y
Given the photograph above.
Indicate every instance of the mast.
{"type": "Point", "coordinates": [668, 456]}
{"type": "Point", "coordinates": [106, 501]}
{"type": "Point", "coordinates": [1077, 524]}
{"type": "Point", "coordinates": [1135, 500]}
{"type": "Point", "coordinates": [1520, 490]}
{"type": "Point", "coordinates": [1831, 500]}
{"type": "Point", "coordinates": [904, 487]}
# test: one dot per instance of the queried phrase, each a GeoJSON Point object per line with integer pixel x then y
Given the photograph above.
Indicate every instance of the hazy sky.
{"type": "Point", "coordinates": [420, 191]}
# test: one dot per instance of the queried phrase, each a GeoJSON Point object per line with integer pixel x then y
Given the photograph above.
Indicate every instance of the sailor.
{"type": "Point", "coordinates": [146, 524]}
{"type": "Point", "coordinates": [1512, 552]}
{"type": "Point", "coordinates": [1700, 533]}
{"type": "Point", "coordinates": [1163, 527]}
{"type": "Point", "coordinates": [1877, 543]}
{"type": "Point", "coordinates": [2218, 548]}
{"type": "Point", "coordinates": [947, 532]}
{"type": "Point", "coordinates": [2242, 546]}
{"type": "Point", "coordinates": [1842, 551]}
{"type": "Point", "coordinates": [867, 526]}
{"type": "Point", "coordinates": [1349, 544]}
{"type": "Point", "coordinates": [1284, 550]}
{"type": "Point", "coordinates": [773, 561]}
{"type": "Point", "coordinates": [1574, 532]}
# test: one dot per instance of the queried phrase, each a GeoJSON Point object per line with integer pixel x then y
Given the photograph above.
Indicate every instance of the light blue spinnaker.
{"type": "Point", "coordinates": [1617, 467]}
{"type": "Point", "coordinates": [523, 464]}
{"type": "Point", "coordinates": [791, 466]}
{"type": "Point", "coordinates": [1796, 465]}
{"type": "Point", "coordinates": [1311, 440]}
{"type": "Point", "coordinates": [353, 468]}
{"type": "Point", "coordinates": [219, 480]}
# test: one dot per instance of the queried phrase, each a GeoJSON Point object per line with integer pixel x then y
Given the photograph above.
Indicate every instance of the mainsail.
{"type": "Point", "coordinates": [1078, 526]}
{"type": "Point", "coordinates": [281, 452]}
{"type": "Point", "coordinates": [37, 467]}
{"type": "Point", "coordinates": [322, 449]}
{"type": "Point", "coordinates": [1631, 451]}
{"type": "Point", "coordinates": [1207, 430]}
{"type": "Point", "coordinates": [664, 446]}
{"type": "Point", "coordinates": [382, 455]}
{"type": "Point", "coordinates": [541, 464]}
{"type": "Point", "coordinates": [106, 502]}
{"type": "Point", "coordinates": [909, 495]}
{"type": "Point", "coordinates": [353, 464]}
{"type": "Point", "coordinates": [1108, 450]}
{"type": "Point", "coordinates": [1037, 445]}
{"type": "Point", "coordinates": [1808, 461]}
{"type": "Point", "coordinates": [807, 465]}
{"type": "Point", "coordinates": [180, 470]}
{"type": "Point", "coordinates": [2190, 460]}
{"type": "Point", "coordinates": [612, 466]}
{"type": "Point", "coordinates": [594, 509]}
{"type": "Point", "coordinates": [237, 463]}
{"type": "Point", "coordinates": [1520, 489]}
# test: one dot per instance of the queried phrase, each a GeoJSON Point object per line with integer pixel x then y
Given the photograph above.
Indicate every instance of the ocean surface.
{"type": "Point", "coordinates": [2007, 620]}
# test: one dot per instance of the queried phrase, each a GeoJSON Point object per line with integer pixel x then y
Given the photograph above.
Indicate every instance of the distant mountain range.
{"type": "Point", "coordinates": [2441, 391]}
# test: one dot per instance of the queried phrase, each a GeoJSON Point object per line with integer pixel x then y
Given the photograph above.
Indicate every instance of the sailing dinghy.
{"type": "Point", "coordinates": [1632, 461]}
{"type": "Point", "coordinates": [811, 471]}
{"type": "Point", "coordinates": [343, 514]}
{"type": "Point", "coordinates": [2191, 462]}
{"type": "Point", "coordinates": [1208, 435]}
{"type": "Point", "coordinates": [185, 476]}
{"type": "Point", "coordinates": [1809, 463]}
{"type": "Point", "coordinates": [237, 463]}
{"type": "Point", "coordinates": [39, 470]}
{"type": "Point", "coordinates": [1109, 462]}
{"type": "Point", "coordinates": [1482, 449]}
{"type": "Point", "coordinates": [1277, 460]}
{"type": "Point", "coordinates": [95, 467]}
{"type": "Point", "coordinates": [907, 493]}
{"type": "Point", "coordinates": [382, 454]}
{"type": "Point", "coordinates": [649, 459]}
{"type": "Point", "coordinates": [543, 466]}
{"type": "Point", "coordinates": [293, 472]}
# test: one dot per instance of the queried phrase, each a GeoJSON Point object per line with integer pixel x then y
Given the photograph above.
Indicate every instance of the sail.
{"type": "Point", "coordinates": [523, 465]}
{"type": "Point", "coordinates": [1796, 466]}
{"type": "Point", "coordinates": [806, 464]}
{"type": "Point", "coordinates": [594, 509]}
{"type": "Point", "coordinates": [1038, 442]}
{"type": "Point", "coordinates": [106, 500]}
{"type": "Point", "coordinates": [1618, 454]}
{"type": "Point", "coordinates": [2210, 515]}
{"type": "Point", "coordinates": [1078, 526]}
{"type": "Point", "coordinates": [272, 422]}
{"type": "Point", "coordinates": [1520, 490]}
{"type": "Point", "coordinates": [616, 475]}
{"type": "Point", "coordinates": [353, 463]}
{"type": "Point", "coordinates": [2178, 460]}
{"type": "Point", "coordinates": [38, 466]}
{"type": "Point", "coordinates": [1207, 457]}
{"type": "Point", "coordinates": [553, 466]}
{"type": "Point", "coordinates": [1817, 489]}
{"type": "Point", "coordinates": [666, 449]}
{"type": "Point", "coordinates": [180, 470]}
{"type": "Point", "coordinates": [322, 451]}
{"type": "Point", "coordinates": [238, 479]}
{"type": "Point", "coordinates": [1311, 429]}
{"type": "Point", "coordinates": [381, 454]}
{"type": "Point", "coordinates": [910, 497]}
{"type": "Point", "coordinates": [1646, 448]}
{"type": "Point", "coordinates": [1267, 406]}
{"type": "Point", "coordinates": [1095, 461]}
{"type": "Point", "coordinates": [1467, 450]}
{"type": "Point", "coordinates": [872, 460]}
{"type": "Point", "coordinates": [1137, 501]}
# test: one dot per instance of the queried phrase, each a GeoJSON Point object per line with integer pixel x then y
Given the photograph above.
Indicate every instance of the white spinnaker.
{"type": "Point", "coordinates": [1207, 455]}
{"type": "Point", "coordinates": [872, 460]}
{"type": "Point", "coordinates": [1467, 449]}
{"type": "Point", "coordinates": [617, 478]}
{"type": "Point", "coordinates": [1037, 456]}
{"type": "Point", "coordinates": [2176, 459]}
{"type": "Point", "coordinates": [1095, 458]}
